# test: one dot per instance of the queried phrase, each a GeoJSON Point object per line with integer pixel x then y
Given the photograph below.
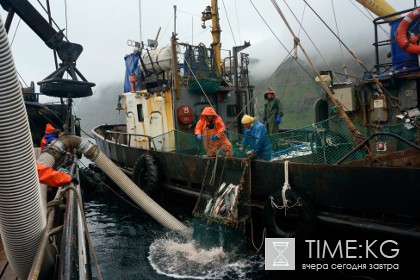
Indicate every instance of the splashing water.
{"type": "Point", "coordinates": [179, 257]}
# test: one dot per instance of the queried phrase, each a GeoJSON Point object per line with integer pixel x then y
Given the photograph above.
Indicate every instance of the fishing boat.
{"type": "Point", "coordinates": [357, 165]}
{"type": "Point", "coordinates": [44, 232]}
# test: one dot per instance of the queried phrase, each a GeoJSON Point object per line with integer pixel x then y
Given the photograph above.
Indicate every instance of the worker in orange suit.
{"type": "Point", "coordinates": [50, 134]}
{"type": "Point", "coordinates": [50, 177]}
{"type": "Point", "coordinates": [210, 129]}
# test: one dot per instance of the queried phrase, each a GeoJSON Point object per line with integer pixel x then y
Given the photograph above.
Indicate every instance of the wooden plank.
{"type": "Point", "coordinates": [6, 272]}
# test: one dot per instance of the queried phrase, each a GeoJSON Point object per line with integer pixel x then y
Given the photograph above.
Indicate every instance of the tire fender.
{"type": "Point", "coordinates": [145, 174]}
{"type": "Point", "coordinates": [296, 221]}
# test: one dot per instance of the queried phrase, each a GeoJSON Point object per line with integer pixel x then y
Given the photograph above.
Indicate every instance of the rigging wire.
{"type": "Point", "coordinates": [369, 18]}
{"type": "Point", "coordinates": [169, 22]}
{"type": "Point", "coordinates": [50, 22]}
{"type": "Point", "coordinates": [198, 82]}
{"type": "Point", "coordinates": [338, 34]}
{"type": "Point", "coordinates": [237, 21]}
{"type": "Point", "coordinates": [141, 37]}
{"type": "Point", "coordinates": [11, 43]}
{"type": "Point", "coordinates": [309, 37]}
{"type": "Point", "coordinates": [195, 34]}
{"type": "Point", "coordinates": [230, 26]}
{"type": "Point", "coordinates": [56, 25]}
{"type": "Point", "coordinates": [66, 18]}
{"type": "Point", "coordinates": [350, 51]}
{"type": "Point", "coordinates": [291, 61]}
{"type": "Point", "coordinates": [289, 53]}
{"type": "Point", "coordinates": [191, 14]}
{"type": "Point", "coordinates": [281, 43]}
{"type": "Point", "coordinates": [14, 35]}
{"type": "Point", "coordinates": [352, 128]}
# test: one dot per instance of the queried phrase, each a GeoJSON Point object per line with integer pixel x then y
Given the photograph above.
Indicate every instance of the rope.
{"type": "Point", "coordinates": [286, 185]}
{"type": "Point", "coordinates": [252, 237]}
{"type": "Point", "coordinates": [111, 189]}
{"type": "Point", "coordinates": [213, 173]}
{"type": "Point", "coordinates": [199, 84]}
{"type": "Point", "coordinates": [264, 233]}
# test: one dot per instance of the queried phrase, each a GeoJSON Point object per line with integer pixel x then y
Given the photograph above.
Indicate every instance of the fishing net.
{"type": "Point", "coordinates": [325, 142]}
{"type": "Point", "coordinates": [223, 207]}
{"type": "Point", "coordinates": [200, 70]}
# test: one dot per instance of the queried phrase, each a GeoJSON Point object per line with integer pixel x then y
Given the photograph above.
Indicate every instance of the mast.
{"type": "Point", "coordinates": [213, 14]}
{"type": "Point", "coordinates": [352, 128]}
{"type": "Point", "coordinates": [378, 7]}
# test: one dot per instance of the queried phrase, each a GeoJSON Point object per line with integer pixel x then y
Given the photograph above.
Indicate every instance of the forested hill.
{"type": "Point", "coordinates": [294, 83]}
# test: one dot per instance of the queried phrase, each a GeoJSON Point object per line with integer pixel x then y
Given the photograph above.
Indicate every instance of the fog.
{"type": "Point", "coordinates": [103, 28]}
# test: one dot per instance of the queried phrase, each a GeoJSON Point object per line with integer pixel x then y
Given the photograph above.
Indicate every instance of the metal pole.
{"type": "Point", "coordinates": [141, 37]}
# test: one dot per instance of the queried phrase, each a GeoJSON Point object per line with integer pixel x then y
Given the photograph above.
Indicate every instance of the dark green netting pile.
{"type": "Point", "coordinates": [324, 142]}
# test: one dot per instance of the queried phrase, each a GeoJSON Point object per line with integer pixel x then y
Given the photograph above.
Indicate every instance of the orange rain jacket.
{"type": "Point", "coordinates": [212, 146]}
{"type": "Point", "coordinates": [51, 177]}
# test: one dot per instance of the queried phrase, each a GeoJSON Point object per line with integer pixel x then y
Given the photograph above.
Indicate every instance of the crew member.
{"type": "Point", "coordinates": [256, 137]}
{"type": "Point", "coordinates": [273, 112]}
{"type": "Point", "coordinates": [210, 129]}
{"type": "Point", "coordinates": [51, 133]}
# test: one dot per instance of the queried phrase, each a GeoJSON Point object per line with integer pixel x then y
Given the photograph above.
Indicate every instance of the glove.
{"type": "Point", "coordinates": [250, 154]}
{"type": "Point", "coordinates": [198, 136]}
{"type": "Point", "coordinates": [62, 169]}
{"type": "Point", "coordinates": [278, 119]}
{"type": "Point", "coordinates": [264, 119]}
{"type": "Point", "coordinates": [214, 137]}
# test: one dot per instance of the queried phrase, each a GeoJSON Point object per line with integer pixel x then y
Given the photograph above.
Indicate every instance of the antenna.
{"type": "Point", "coordinates": [175, 19]}
{"type": "Point", "coordinates": [141, 37]}
{"type": "Point", "coordinates": [154, 43]}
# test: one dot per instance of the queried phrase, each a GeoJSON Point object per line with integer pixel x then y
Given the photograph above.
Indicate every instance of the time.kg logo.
{"type": "Point", "coordinates": [280, 254]}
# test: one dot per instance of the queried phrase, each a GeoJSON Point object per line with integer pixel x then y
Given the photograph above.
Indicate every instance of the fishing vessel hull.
{"type": "Point", "coordinates": [361, 195]}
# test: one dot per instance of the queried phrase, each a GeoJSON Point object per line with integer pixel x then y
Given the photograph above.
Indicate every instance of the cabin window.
{"type": "Point", "coordinates": [140, 112]}
{"type": "Point", "coordinates": [231, 110]}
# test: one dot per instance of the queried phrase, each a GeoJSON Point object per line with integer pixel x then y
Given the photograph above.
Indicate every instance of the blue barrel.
{"type": "Point", "coordinates": [400, 58]}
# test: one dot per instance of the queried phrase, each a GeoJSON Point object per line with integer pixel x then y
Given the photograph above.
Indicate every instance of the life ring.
{"type": "Point", "coordinates": [297, 221]}
{"type": "Point", "coordinates": [408, 44]}
{"type": "Point", "coordinates": [145, 174]}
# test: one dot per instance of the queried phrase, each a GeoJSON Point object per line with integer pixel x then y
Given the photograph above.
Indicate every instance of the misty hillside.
{"type": "Point", "coordinates": [293, 85]}
{"type": "Point", "coordinates": [100, 107]}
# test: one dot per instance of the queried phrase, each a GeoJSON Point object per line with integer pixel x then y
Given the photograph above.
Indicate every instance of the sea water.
{"type": "Point", "coordinates": [129, 244]}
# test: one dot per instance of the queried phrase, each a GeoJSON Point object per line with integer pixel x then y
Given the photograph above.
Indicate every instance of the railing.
{"type": "Point", "coordinates": [366, 141]}
{"type": "Point", "coordinates": [128, 135]}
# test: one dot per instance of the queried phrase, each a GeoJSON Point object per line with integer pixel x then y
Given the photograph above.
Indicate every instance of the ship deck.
{"type": "Point", "coordinates": [6, 272]}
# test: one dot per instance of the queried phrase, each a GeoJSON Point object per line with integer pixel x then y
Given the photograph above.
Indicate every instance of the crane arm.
{"type": "Point", "coordinates": [68, 52]}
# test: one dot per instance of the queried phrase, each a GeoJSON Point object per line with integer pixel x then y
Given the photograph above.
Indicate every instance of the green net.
{"type": "Point", "coordinates": [324, 142]}
{"type": "Point", "coordinates": [223, 207]}
{"type": "Point", "coordinates": [201, 69]}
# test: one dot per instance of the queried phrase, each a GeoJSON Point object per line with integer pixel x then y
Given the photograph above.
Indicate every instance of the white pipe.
{"type": "Point", "coordinates": [119, 177]}
{"type": "Point", "coordinates": [22, 219]}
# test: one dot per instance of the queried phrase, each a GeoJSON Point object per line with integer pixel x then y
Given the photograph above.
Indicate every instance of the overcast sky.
{"type": "Point", "coordinates": [103, 28]}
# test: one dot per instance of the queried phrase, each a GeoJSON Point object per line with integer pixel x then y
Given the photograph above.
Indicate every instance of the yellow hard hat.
{"type": "Point", "coordinates": [247, 119]}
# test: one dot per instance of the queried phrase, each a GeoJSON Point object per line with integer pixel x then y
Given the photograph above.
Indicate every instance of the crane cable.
{"type": "Point", "coordinates": [352, 128]}
{"type": "Point", "coordinates": [350, 51]}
